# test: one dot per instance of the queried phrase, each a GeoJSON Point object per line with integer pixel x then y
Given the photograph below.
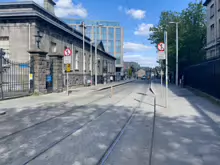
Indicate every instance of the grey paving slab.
{"type": "Point", "coordinates": [134, 145]}
{"type": "Point", "coordinates": [22, 146]}
{"type": "Point", "coordinates": [186, 133]}
{"type": "Point", "coordinates": [86, 146]}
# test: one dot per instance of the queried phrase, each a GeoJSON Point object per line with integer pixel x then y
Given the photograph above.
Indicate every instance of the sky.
{"type": "Point", "coordinates": [135, 16]}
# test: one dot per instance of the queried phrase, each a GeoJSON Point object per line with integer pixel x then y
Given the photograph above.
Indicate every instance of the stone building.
{"type": "Point", "coordinates": [140, 73]}
{"type": "Point", "coordinates": [213, 28]}
{"type": "Point", "coordinates": [22, 24]}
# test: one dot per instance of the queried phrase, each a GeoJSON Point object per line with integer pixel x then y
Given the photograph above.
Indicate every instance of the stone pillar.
{"type": "Point", "coordinates": [57, 73]}
{"type": "Point", "coordinates": [38, 62]}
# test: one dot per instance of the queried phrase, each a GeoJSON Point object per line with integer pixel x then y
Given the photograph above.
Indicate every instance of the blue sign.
{"type": "Point", "coordinates": [23, 65]}
{"type": "Point", "coordinates": [49, 78]}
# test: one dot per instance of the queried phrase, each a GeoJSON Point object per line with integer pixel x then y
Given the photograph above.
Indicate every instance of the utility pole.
{"type": "Point", "coordinates": [177, 55]}
{"type": "Point", "coordinates": [2, 53]}
{"type": "Point", "coordinates": [91, 62]}
{"type": "Point", "coordinates": [83, 26]}
{"type": "Point", "coordinates": [96, 55]}
{"type": "Point", "coordinates": [166, 51]}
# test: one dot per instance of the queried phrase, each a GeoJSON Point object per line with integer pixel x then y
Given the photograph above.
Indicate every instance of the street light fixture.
{"type": "Point", "coordinates": [177, 52]}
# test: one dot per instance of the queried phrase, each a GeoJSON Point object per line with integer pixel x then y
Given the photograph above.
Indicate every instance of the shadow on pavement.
{"type": "Point", "coordinates": [79, 136]}
{"type": "Point", "coordinates": [185, 141]}
{"type": "Point", "coordinates": [190, 139]}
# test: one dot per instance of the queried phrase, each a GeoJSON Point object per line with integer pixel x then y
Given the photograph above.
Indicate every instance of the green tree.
{"type": "Point", "coordinates": [192, 35]}
{"type": "Point", "coordinates": [130, 72]}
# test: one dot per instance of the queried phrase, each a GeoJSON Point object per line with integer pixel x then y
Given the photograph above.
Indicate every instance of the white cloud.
{"type": "Point", "coordinates": [143, 29]}
{"type": "Point", "coordinates": [65, 8]}
{"type": "Point", "coordinates": [143, 60]}
{"type": "Point", "coordinates": [135, 47]}
{"type": "Point", "coordinates": [136, 14]}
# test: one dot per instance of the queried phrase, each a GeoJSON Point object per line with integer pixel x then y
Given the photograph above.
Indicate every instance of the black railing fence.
{"type": "Point", "coordinates": [204, 77]}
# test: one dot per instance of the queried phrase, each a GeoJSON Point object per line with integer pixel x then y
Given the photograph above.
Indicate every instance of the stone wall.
{"type": "Point", "coordinates": [21, 37]}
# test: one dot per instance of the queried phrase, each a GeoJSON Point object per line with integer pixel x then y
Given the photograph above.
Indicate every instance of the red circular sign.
{"type": "Point", "coordinates": [68, 52]}
{"type": "Point", "coordinates": [161, 46]}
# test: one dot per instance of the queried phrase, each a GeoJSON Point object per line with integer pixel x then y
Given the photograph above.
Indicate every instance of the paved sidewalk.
{"type": "Point", "coordinates": [54, 98]}
{"type": "Point", "coordinates": [188, 131]}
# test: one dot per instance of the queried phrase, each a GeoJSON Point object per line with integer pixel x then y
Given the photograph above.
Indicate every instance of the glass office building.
{"type": "Point", "coordinates": [110, 33]}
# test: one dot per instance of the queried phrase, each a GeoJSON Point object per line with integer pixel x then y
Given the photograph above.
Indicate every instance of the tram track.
{"type": "Point", "coordinates": [61, 114]}
{"type": "Point", "coordinates": [24, 160]}
{"type": "Point", "coordinates": [117, 138]}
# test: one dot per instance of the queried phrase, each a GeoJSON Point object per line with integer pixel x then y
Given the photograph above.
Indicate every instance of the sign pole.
{"type": "Point", "coordinates": [166, 50]}
{"type": "Point", "coordinates": [67, 61]}
{"type": "Point", "coordinates": [67, 84]}
{"type": "Point", "coordinates": [161, 77]}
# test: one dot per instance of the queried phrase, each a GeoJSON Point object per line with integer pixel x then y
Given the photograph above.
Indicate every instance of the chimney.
{"type": "Point", "coordinates": [49, 5]}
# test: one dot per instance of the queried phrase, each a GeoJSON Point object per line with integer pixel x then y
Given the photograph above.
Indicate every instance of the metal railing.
{"type": "Point", "coordinates": [204, 77]}
{"type": "Point", "coordinates": [14, 78]}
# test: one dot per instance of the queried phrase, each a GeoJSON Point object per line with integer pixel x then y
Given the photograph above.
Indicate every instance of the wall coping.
{"type": "Point", "coordinates": [37, 51]}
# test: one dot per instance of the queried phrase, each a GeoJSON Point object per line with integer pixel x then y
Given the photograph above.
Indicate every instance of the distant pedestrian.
{"type": "Point", "coordinates": [111, 78]}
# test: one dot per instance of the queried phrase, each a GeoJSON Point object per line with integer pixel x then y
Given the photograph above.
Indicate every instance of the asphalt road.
{"type": "Point", "coordinates": [104, 130]}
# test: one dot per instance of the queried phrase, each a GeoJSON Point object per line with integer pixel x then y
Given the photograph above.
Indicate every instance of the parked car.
{"type": "Point", "coordinates": [143, 78]}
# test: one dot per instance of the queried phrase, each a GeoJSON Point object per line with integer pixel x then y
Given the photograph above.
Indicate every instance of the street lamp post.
{"type": "Point", "coordinates": [96, 33]}
{"type": "Point", "coordinates": [83, 31]}
{"type": "Point", "coordinates": [177, 52]}
{"type": "Point", "coordinates": [91, 42]}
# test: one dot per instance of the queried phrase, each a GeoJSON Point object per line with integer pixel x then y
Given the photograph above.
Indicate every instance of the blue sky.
{"type": "Point", "coordinates": [135, 16]}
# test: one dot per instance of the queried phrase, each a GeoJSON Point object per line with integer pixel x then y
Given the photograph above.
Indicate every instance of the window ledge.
{"type": "Point", "coordinates": [76, 69]}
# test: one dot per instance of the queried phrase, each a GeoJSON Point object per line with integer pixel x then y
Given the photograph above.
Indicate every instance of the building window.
{"type": "Point", "coordinates": [118, 60]}
{"type": "Point", "coordinates": [212, 11]}
{"type": "Point", "coordinates": [76, 59]}
{"type": "Point", "coordinates": [212, 54]}
{"type": "Point", "coordinates": [118, 34]}
{"type": "Point", "coordinates": [212, 32]}
{"type": "Point", "coordinates": [53, 47]}
{"type": "Point", "coordinates": [4, 44]}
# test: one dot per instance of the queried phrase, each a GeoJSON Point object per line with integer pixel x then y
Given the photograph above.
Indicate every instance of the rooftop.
{"type": "Point", "coordinates": [42, 14]}
{"type": "Point", "coordinates": [206, 2]}
{"type": "Point", "coordinates": [90, 22]}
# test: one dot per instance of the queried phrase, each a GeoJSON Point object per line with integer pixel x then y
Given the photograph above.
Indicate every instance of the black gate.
{"type": "Point", "coordinates": [14, 78]}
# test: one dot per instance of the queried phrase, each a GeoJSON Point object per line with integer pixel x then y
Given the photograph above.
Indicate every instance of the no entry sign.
{"type": "Point", "coordinates": [161, 46]}
{"type": "Point", "coordinates": [67, 56]}
{"type": "Point", "coordinates": [67, 52]}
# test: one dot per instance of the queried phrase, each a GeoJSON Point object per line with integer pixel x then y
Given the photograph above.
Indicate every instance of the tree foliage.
{"type": "Point", "coordinates": [192, 35]}
{"type": "Point", "coordinates": [130, 70]}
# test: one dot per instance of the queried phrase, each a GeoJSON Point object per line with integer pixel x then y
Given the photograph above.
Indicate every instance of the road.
{"type": "Point", "coordinates": [103, 130]}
